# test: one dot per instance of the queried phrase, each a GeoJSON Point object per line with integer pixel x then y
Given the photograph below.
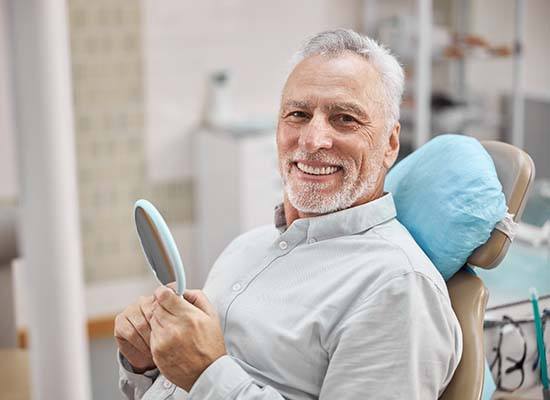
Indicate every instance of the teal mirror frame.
{"type": "Point", "coordinates": [166, 240]}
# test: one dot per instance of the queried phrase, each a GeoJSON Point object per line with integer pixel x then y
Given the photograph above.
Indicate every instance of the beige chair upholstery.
{"type": "Point", "coordinates": [516, 172]}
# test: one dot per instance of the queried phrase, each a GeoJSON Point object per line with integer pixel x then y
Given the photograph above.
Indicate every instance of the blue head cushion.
{"type": "Point", "coordinates": [448, 196]}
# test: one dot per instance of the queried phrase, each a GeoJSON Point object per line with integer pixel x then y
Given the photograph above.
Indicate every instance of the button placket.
{"type": "Point", "coordinates": [236, 290]}
{"type": "Point", "coordinates": [167, 384]}
{"type": "Point", "coordinates": [237, 286]}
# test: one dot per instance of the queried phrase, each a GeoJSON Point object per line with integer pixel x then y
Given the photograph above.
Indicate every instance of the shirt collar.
{"type": "Point", "coordinates": [340, 223]}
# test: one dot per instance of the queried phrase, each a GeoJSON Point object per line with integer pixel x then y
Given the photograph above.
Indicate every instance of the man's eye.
{"type": "Point", "coordinates": [297, 115]}
{"type": "Point", "coordinates": [345, 119]}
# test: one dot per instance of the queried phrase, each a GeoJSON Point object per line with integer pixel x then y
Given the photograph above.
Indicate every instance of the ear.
{"type": "Point", "coordinates": [392, 146]}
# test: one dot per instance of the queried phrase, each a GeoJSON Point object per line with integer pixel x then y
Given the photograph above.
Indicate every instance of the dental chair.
{"type": "Point", "coordinates": [516, 172]}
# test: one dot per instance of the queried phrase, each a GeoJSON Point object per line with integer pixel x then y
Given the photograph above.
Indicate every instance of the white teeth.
{"type": "Point", "coordinates": [316, 171]}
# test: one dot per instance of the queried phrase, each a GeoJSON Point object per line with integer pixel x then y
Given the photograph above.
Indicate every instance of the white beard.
{"type": "Point", "coordinates": [308, 197]}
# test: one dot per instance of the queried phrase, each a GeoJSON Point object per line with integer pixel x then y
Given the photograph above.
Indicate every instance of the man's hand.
{"type": "Point", "coordinates": [133, 334]}
{"type": "Point", "coordinates": [186, 335]}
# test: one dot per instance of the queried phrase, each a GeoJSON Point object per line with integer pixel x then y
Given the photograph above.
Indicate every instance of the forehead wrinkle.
{"type": "Point", "coordinates": [302, 104]}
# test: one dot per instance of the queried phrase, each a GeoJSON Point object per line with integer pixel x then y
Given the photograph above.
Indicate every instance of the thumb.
{"type": "Point", "coordinates": [199, 300]}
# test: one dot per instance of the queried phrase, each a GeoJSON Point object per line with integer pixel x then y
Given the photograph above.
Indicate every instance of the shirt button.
{"type": "Point", "coordinates": [311, 240]}
{"type": "Point", "coordinates": [236, 287]}
{"type": "Point", "coordinates": [167, 384]}
{"type": "Point", "coordinates": [283, 245]}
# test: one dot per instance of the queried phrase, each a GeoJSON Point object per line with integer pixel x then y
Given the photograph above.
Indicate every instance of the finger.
{"type": "Point", "coordinates": [136, 339]}
{"type": "Point", "coordinates": [127, 331]}
{"type": "Point", "coordinates": [170, 301]}
{"type": "Point", "coordinates": [123, 328]}
{"type": "Point", "coordinates": [141, 325]}
{"type": "Point", "coordinates": [172, 285]}
{"type": "Point", "coordinates": [155, 324]}
{"type": "Point", "coordinates": [127, 348]}
{"type": "Point", "coordinates": [199, 300]}
{"type": "Point", "coordinates": [147, 308]}
{"type": "Point", "coordinates": [164, 317]}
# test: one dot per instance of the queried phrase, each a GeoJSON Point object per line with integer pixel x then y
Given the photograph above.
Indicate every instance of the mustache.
{"type": "Point", "coordinates": [319, 156]}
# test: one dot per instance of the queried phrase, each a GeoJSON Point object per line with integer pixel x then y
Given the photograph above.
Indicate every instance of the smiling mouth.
{"type": "Point", "coordinates": [310, 170]}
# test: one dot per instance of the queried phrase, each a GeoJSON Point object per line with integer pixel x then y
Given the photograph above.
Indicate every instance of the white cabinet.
{"type": "Point", "coordinates": [236, 189]}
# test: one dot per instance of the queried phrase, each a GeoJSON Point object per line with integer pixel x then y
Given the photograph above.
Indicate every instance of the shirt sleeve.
{"type": "Point", "coordinates": [135, 386]}
{"type": "Point", "coordinates": [402, 342]}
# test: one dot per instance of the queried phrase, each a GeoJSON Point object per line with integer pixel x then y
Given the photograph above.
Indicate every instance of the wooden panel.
{"type": "Point", "coordinates": [98, 328]}
{"type": "Point", "coordinates": [14, 375]}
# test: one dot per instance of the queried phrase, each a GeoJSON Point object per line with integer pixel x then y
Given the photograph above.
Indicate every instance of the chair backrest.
{"type": "Point", "coordinates": [516, 172]}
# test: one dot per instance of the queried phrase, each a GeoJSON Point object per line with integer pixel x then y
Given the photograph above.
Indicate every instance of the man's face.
{"type": "Point", "coordinates": [332, 144]}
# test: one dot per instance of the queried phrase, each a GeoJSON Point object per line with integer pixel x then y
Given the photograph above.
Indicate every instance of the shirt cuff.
{"type": "Point", "coordinates": [147, 386]}
{"type": "Point", "coordinates": [151, 374]}
{"type": "Point", "coordinates": [221, 380]}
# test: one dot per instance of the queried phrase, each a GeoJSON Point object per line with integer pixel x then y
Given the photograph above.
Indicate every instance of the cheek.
{"type": "Point", "coordinates": [352, 155]}
{"type": "Point", "coordinates": [287, 138]}
{"type": "Point", "coordinates": [363, 159]}
{"type": "Point", "coordinates": [371, 164]}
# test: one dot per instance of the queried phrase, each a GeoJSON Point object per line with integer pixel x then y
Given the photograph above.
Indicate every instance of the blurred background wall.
{"type": "Point", "coordinates": [8, 186]}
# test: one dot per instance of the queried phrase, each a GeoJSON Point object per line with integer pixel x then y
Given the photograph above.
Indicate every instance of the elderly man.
{"type": "Point", "coordinates": [336, 301]}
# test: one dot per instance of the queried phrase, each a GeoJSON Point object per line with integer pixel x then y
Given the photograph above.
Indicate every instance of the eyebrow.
{"type": "Point", "coordinates": [331, 108]}
{"type": "Point", "coordinates": [348, 107]}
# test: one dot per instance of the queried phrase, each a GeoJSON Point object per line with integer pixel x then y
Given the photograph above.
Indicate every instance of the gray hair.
{"type": "Point", "coordinates": [334, 43]}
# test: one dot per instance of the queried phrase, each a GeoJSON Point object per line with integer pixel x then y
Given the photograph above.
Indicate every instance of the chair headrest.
{"type": "Point", "coordinates": [516, 173]}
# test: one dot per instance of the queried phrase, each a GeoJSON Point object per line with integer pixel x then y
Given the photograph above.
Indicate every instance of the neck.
{"type": "Point", "coordinates": [292, 214]}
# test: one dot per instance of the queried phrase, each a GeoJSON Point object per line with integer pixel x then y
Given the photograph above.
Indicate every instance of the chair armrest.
{"type": "Point", "coordinates": [469, 298]}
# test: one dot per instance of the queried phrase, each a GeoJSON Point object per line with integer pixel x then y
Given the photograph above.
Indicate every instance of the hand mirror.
{"type": "Point", "coordinates": [158, 245]}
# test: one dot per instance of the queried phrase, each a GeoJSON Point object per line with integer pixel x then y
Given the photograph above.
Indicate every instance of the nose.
{"type": "Point", "coordinates": [316, 135]}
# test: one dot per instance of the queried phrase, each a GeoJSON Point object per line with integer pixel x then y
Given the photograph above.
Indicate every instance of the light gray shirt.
{"type": "Point", "coordinates": [340, 306]}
